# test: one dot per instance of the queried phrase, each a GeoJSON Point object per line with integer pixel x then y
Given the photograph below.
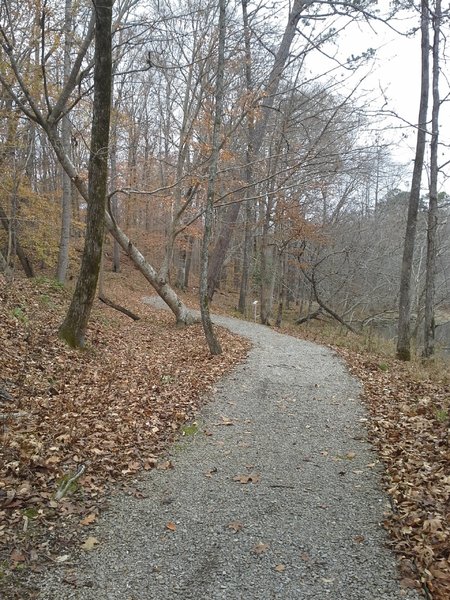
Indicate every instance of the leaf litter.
{"type": "Point", "coordinates": [112, 408]}
{"type": "Point", "coordinates": [409, 425]}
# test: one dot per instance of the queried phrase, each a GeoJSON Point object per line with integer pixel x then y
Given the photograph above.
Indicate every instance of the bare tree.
{"type": "Point", "coordinates": [213, 342]}
{"type": "Point", "coordinates": [73, 328]}
{"type": "Point", "coordinates": [430, 280]}
{"type": "Point", "coordinates": [66, 201]}
{"type": "Point", "coordinates": [404, 319]}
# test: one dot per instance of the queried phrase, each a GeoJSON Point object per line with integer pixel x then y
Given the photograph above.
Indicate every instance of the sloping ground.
{"type": "Point", "coordinates": [410, 426]}
{"type": "Point", "coordinates": [409, 409]}
{"type": "Point", "coordinates": [274, 495]}
{"type": "Point", "coordinates": [111, 408]}
{"type": "Point", "coordinates": [149, 372]}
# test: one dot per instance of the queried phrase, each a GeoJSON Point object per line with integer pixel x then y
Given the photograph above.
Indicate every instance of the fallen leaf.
{"type": "Point", "coordinates": [304, 556]}
{"type": "Point", "coordinates": [359, 539]}
{"type": "Point", "coordinates": [62, 558]}
{"type": "Point", "coordinates": [17, 556]}
{"type": "Point", "coordinates": [89, 519]}
{"type": "Point", "coordinates": [236, 526]}
{"type": "Point", "coordinates": [260, 548]}
{"type": "Point", "coordinates": [164, 466]}
{"type": "Point", "coordinates": [171, 526]}
{"type": "Point", "coordinates": [253, 478]}
{"type": "Point", "coordinates": [211, 472]}
{"type": "Point", "coordinates": [280, 568]}
{"type": "Point", "coordinates": [90, 543]}
{"type": "Point", "coordinates": [408, 583]}
{"type": "Point", "coordinates": [150, 463]}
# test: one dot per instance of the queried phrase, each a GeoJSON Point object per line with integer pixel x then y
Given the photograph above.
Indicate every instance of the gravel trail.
{"type": "Point", "coordinates": [303, 524]}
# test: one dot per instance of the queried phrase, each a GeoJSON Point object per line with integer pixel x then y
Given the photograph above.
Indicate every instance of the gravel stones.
{"type": "Point", "coordinates": [276, 496]}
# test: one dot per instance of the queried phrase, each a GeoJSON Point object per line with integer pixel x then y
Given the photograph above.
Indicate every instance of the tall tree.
{"type": "Point", "coordinates": [267, 99]}
{"type": "Point", "coordinates": [430, 278]}
{"type": "Point", "coordinates": [74, 326]}
{"type": "Point", "coordinates": [404, 319]}
{"type": "Point", "coordinates": [66, 201]}
{"type": "Point", "coordinates": [213, 342]}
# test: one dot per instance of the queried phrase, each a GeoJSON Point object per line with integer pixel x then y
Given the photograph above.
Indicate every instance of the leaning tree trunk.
{"type": "Point", "coordinates": [430, 284]}
{"type": "Point", "coordinates": [404, 320]}
{"type": "Point", "coordinates": [73, 328]}
{"type": "Point", "coordinates": [258, 133]}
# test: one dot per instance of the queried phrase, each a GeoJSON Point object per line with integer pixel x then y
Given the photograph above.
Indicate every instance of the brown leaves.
{"type": "Point", "coordinates": [89, 519]}
{"type": "Point", "coordinates": [171, 526]}
{"type": "Point", "coordinates": [409, 425]}
{"type": "Point", "coordinates": [260, 548]}
{"type": "Point", "coordinates": [17, 556]}
{"type": "Point", "coordinates": [235, 526]}
{"type": "Point", "coordinates": [244, 479]}
{"type": "Point", "coordinates": [90, 543]}
{"type": "Point", "coordinates": [113, 408]}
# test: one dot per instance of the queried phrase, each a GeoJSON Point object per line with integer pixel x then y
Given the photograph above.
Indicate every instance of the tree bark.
{"type": "Point", "coordinates": [243, 291]}
{"type": "Point", "coordinates": [258, 132]}
{"type": "Point", "coordinates": [430, 278]}
{"type": "Point", "coordinates": [73, 328]}
{"type": "Point", "coordinates": [66, 202]}
{"type": "Point", "coordinates": [114, 200]}
{"type": "Point", "coordinates": [23, 258]}
{"type": "Point", "coordinates": [219, 252]}
{"type": "Point", "coordinates": [404, 324]}
{"type": "Point", "coordinates": [164, 290]}
{"type": "Point", "coordinates": [213, 342]}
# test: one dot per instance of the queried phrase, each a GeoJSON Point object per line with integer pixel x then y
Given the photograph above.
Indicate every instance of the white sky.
{"type": "Point", "coordinates": [393, 81]}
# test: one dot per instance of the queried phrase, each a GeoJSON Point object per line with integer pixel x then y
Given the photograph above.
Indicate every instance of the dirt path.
{"type": "Point", "coordinates": [274, 495]}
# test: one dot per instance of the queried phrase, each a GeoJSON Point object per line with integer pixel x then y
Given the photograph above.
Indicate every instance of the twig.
{"type": "Point", "coordinates": [121, 309]}
{"type": "Point", "coordinates": [66, 484]}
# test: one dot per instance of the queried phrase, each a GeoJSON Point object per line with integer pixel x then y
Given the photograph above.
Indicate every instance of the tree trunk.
{"type": "Point", "coordinates": [282, 288]}
{"type": "Point", "coordinates": [164, 290]}
{"type": "Point", "coordinates": [218, 254]}
{"type": "Point", "coordinates": [213, 342]}
{"type": "Point", "coordinates": [430, 284]}
{"type": "Point", "coordinates": [23, 258]}
{"type": "Point", "coordinates": [404, 325]}
{"type": "Point", "coordinates": [187, 266]}
{"type": "Point", "coordinates": [245, 278]}
{"type": "Point", "coordinates": [115, 200]}
{"type": "Point", "coordinates": [73, 328]}
{"type": "Point", "coordinates": [66, 214]}
{"type": "Point", "coordinates": [243, 291]}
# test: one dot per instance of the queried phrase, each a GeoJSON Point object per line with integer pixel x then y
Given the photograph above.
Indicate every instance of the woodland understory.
{"type": "Point", "coordinates": [117, 416]}
{"type": "Point", "coordinates": [236, 156]}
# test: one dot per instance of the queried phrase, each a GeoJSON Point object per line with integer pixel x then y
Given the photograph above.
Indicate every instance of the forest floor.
{"type": "Point", "coordinates": [117, 405]}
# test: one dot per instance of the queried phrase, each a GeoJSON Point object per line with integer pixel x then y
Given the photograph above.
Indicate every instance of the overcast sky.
{"type": "Point", "coordinates": [392, 80]}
